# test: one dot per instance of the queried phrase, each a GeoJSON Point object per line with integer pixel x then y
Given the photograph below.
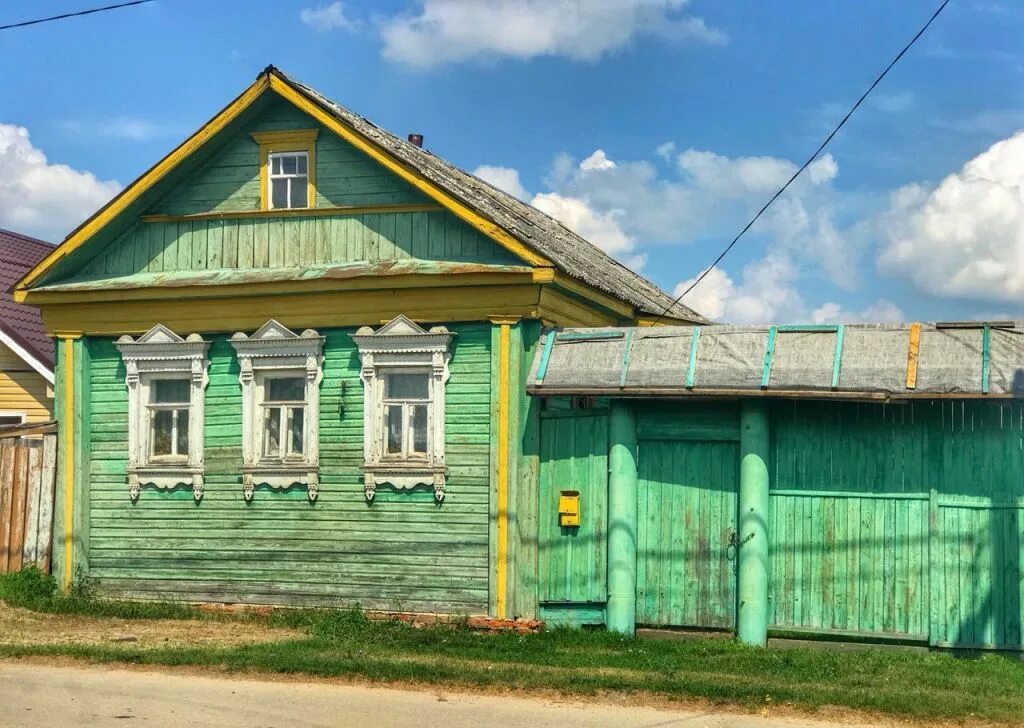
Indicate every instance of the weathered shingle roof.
{"type": "Point", "coordinates": [18, 255]}
{"type": "Point", "coordinates": [855, 361]}
{"type": "Point", "coordinates": [568, 251]}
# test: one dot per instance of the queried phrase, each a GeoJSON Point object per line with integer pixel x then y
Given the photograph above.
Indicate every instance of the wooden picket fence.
{"type": "Point", "coordinates": [28, 467]}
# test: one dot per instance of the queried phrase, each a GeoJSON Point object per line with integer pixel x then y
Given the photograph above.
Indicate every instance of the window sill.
{"type": "Point", "coordinates": [403, 475]}
{"type": "Point", "coordinates": [280, 475]}
{"type": "Point", "coordinates": [165, 476]}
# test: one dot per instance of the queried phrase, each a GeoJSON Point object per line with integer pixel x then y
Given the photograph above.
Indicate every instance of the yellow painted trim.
{"type": "Point", "coordinates": [590, 293]}
{"type": "Point", "coordinates": [913, 347]}
{"type": "Point", "coordinates": [336, 308]}
{"type": "Point", "coordinates": [543, 275]}
{"type": "Point", "coordinates": [68, 443]}
{"type": "Point", "coordinates": [272, 142]}
{"type": "Point", "coordinates": [501, 583]}
{"type": "Point", "coordinates": [340, 211]}
{"type": "Point", "coordinates": [134, 191]}
{"type": "Point", "coordinates": [413, 177]}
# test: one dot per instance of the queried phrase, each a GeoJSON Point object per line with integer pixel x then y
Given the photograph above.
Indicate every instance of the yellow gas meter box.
{"type": "Point", "coordinates": [569, 508]}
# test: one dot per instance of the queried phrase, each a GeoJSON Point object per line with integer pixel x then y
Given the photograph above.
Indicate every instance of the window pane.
{"type": "Point", "coordinates": [393, 427]}
{"type": "Point", "coordinates": [286, 389]}
{"type": "Point", "coordinates": [407, 386]}
{"type": "Point", "coordinates": [182, 432]}
{"type": "Point", "coordinates": [297, 428]}
{"type": "Point", "coordinates": [301, 166]}
{"type": "Point", "coordinates": [162, 431]}
{"type": "Point", "coordinates": [279, 193]}
{"type": "Point", "coordinates": [419, 429]}
{"type": "Point", "coordinates": [300, 192]}
{"type": "Point", "coordinates": [272, 432]}
{"type": "Point", "coordinates": [275, 165]}
{"type": "Point", "coordinates": [288, 165]}
{"type": "Point", "coordinates": [170, 391]}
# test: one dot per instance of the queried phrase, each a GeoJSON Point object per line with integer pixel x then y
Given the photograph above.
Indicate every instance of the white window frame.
{"type": "Point", "coordinates": [403, 346]}
{"type": "Point", "coordinates": [271, 176]}
{"type": "Point", "coordinates": [162, 354]}
{"type": "Point", "coordinates": [277, 351]}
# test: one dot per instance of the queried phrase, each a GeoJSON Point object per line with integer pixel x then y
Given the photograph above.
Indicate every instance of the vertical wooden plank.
{"type": "Point", "coordinates": [18, 506]}
{"type": "Point", "coordinates": [48, 481]}
{"type": "Point", "coordinates": [386, 244]}
{"type": "Point", "coordinates": [229, 257]}
{"type": "Point", "coordinates": [30, 553]}
{"type": "Point", "coordinates": [7, 447]}
{"type": "Point", "coordinates": [275, 243]}
{"type": "Point", "coordinates": [200, 236]}
{"type": "Point", "coordinates": [170, 256]}
{"type": "Point", "coordinates": [913, 346]}
{"type": "Point", "coordinates": [544, 535]}
{"type": "Point", "coordinates": [371, 237]}
{"type": "Point", "coordinates": [246, 240]}
{"type": "Point", "coordinates": [261, 244]}
{"type": "Point", "coordinates": [215, 244]}
{"type": "Point", "coordinates": [403, 233]}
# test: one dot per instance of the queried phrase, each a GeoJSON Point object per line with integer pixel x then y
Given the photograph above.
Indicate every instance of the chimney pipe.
{"type": "Point", "coordinates": [416, 139]}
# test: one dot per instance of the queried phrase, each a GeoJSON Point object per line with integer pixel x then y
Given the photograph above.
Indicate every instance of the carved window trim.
{"type": "Point", "coordinates": [401, 345]}
{"type": "Point", "coordinates": [162, 354]}
{"type": "Point", "coordinates": [277, 350]}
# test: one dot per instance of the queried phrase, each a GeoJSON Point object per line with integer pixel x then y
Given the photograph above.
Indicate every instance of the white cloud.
{"type": "Point", "coordinates": [123, 128]}
{"type": "Point", "coordinates": [964, 237]}
{"type": "Point", "coordinates": [451, 31]}
{"type": "Point", "coordinates": [328, 17]}
{"type": "Point", "coordinates": [666, 150]}
{"type": "Point", "coordinates": [42, 199]}
{"type": "Point", "coordinates": [597, 160]}
{"type": "Point", "coordinates": [504, 178]}
{"type": "Point", "coordinates": [765, 293]}
{"type": "Point", "coordinates": [882, 311]}
{"type": "Point", "coordinates": [603, 229]}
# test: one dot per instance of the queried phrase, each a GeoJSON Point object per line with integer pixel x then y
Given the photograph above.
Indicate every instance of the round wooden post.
{"type": "Point", "coordinates": [622, 496]}
{"type": "Point", "coordinates": [752, 536]}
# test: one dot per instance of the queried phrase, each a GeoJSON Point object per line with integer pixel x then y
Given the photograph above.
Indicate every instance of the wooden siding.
{"type": "Point", "coordinates": [230, 180]}
{"type": "Point", "coordinates": [288, 242]}
{"type": "Point", "coordinates": [27, 467]}
{"type": "Point", "coordinates": [899, 519]}
{"type": "Point", "coordinates": [22, 389]}
{"type": "Point", "coordinates": [574, 456]}
{"type": "Point", "coordinates": [403, 552]}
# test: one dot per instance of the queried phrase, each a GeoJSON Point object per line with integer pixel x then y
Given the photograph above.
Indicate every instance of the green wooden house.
{"type": "Point", "coordinates": [291, 369]}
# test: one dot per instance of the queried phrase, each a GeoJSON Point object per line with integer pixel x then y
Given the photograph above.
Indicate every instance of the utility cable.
{"type": "Point", "coordinates": [74, 15]}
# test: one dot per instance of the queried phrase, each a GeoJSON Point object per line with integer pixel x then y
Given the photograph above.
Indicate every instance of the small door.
{"type": "Point", "coordinates": [686, 516]}
{"type": "Point", "coordinates": [573, 559]}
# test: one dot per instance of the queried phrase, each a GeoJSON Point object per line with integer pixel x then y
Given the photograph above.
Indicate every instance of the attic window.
{"type": "Point", "coordinates": [289, 180]}
{"type": "Point", "coordinates": [287, 169]}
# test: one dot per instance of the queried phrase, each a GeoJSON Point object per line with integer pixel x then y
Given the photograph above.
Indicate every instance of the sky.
{"type": "Point", "coordinates": [654, 128]}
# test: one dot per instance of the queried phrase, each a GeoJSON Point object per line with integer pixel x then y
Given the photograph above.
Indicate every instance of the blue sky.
{"type": "Point", "coordinates": [653, 127]}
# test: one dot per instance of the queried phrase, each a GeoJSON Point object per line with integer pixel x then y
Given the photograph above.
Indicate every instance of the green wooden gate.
{"type": "Point", "coordinates": [573, 561]}
{"type": "Point", "coordinates": [688, 463]}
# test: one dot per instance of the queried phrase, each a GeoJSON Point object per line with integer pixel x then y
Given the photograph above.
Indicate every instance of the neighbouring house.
{"type": "Point", "coordinates": [292, 363]}
{"type": "Point", "coordinates": [26, 350]}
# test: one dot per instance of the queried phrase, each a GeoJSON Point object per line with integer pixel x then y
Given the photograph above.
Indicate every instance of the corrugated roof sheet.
{"type": "Point", "coordinates": [855, 361]}
{"type": "Point", "coordinates": [18, 255]}
{"type": "Point", "coordinates": [572, 254]}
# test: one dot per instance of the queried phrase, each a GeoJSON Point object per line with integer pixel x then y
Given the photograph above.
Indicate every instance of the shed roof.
{"type": "Point", "coordinates": [856, 361]}
{"type": "Point", "coordinates": [18, 254]}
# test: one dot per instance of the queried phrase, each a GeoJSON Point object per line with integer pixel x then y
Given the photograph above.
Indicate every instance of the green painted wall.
{"type": "Point", "coordinates": [261, 243]}
{"type": "Point", "coordinates": [901, 519]}
{"type": "Point", "coordinates": [573, 456]}
{"type": "Point", "coordinates": [229, 181]}
{"type": "Point", "coordinates": [403, 552]}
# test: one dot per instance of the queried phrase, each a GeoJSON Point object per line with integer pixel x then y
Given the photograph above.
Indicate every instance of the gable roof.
{"type": "Point", "coordinates": [21, 326]}
{"type": "Point", "coordinates": [536, 237]}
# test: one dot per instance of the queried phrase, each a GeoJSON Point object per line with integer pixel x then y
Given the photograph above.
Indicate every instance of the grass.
{"type": "Point", "coordinates": [348, 644]}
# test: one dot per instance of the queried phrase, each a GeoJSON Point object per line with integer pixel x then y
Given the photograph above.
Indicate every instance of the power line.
{"type": "Point", "coordinates": [74, 15]}
{"type": "Point", "coordinates": [807, 163]}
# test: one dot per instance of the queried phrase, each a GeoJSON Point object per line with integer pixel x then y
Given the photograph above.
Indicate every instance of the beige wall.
{"type": "Point", "coordinates": [22, 389]}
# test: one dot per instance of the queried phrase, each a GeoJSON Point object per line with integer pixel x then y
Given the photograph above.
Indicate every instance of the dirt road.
{"type": "Point", "coordinates": [35, 695]}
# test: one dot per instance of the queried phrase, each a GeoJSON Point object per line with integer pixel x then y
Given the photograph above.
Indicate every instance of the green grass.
{"type": "Point", "coordinates": [347, 644]}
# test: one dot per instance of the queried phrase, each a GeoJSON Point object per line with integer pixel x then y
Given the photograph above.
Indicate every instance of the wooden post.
{"type": "Point", "coordinates": [752, 535]}
{"type": "Point", "coordinates": [622, 524]}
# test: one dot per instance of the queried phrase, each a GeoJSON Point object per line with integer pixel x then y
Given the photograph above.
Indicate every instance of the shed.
{"type": "Point", "coordinates": [847, 480]}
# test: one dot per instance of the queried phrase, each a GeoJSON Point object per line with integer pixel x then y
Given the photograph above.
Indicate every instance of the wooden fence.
{"type": "Point", "coordinates": [28, 465]}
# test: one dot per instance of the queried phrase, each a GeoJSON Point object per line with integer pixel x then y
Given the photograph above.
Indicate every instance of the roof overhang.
{"type": "Point", "coordinates": [12, 343]}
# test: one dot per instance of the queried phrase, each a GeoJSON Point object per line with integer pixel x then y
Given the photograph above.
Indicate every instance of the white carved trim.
{"type": "Point", "coordinates": [277, 349]}
{"type": "Point", "coordinates": [158, 354]}
{"type": "Point", "coordinates": [402, 344]}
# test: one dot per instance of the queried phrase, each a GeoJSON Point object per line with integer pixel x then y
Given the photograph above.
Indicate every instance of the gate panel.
{"type": "Point", "coordinates": [686, 515]}
{"type": "Point", "coordinates": [573, 561]}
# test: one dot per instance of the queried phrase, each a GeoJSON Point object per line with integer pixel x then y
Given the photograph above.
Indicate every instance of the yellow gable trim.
{"type": "Point", "coordinates": [287, 141]}
{"type": "Point", "coordinates": [132, 192]}
{"type": "Point", "coordinates": [408, 174]}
